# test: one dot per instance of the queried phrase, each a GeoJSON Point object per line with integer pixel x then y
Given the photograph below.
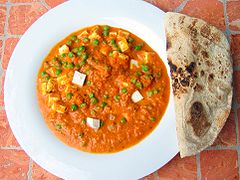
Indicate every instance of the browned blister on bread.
{"type": "Point", "coordinates": [201, 75]}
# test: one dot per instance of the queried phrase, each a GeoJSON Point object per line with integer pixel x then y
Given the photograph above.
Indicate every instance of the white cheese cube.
{"type": "Point", "coordinates": [64, 49]}
{"type": "Point", "coordinates": [136, 96]}
{"type": "Point", "coordinates": [123, 45]}
{"type": "Point", "coordinates": [133, 62]}
{"type": "Point", "coordinates": [93, 123]}
{"type": "Point", "coordinates": [78, 78]}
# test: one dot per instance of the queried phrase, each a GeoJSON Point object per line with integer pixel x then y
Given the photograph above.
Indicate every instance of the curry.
{"type": "Point", "coordinates": [102, 89]}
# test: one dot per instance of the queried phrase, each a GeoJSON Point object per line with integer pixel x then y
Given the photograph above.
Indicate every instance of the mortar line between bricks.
{"type": "Point", "coordinates": [155, 175]}
{"type": "Point", "coordinates": [198, 166]}
{"type": "Point", "coordinates": [11, 148]}
{"type": "Point", "coordinates": [45, 4]}
{"type": "Point", "coordinates": [234, 32]}
{"type": "Point", "coordinates": [227, 31]}
{"type": "Point", "coordinates": [29, 173]}
{"type": "Point", "coordinates": [181, 6]}
{"type": "Point", "coordinates": [219, 147]}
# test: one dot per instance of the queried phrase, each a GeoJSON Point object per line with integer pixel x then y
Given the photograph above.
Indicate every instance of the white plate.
{"type": "Point", "coordinates": [23, 114]}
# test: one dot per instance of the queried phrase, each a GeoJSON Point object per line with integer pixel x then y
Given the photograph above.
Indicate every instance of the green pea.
{"type": "Point", "coordinates": [85, 56]}
{"type": "Point", "coordinates": [95, 42]}
{"type": "Point", "coordinates": [63, 55]}
{"type": "Point", "coordinates": [149, 93]}
{"type": "Point", "coordinates": [83, 104]}
{"type": "Point", "coordinates": [116, 98]}
{"type": "Point", "coordinates": [70, 54]}
{"type": "Point", "coordinates": [69, 42]}
{"type": "Point", "coordinates": [94, 100]}
{"type": "Point", "coordinates": [58, 72]}
{"type": "Point", "coordinates": [84, 121]}
{"type": "Point", "coordinates": [103, 104]}
{"type": "Point", "coordinates": [58, 126]}
{"type": "Point", "coordinates": [82, 63]}
{"type": "Point", "coordinates": [130, 40]}
{"type": "Point", "coordinates": [106, 28]}
{"type": "Point", "coordinates": [139, 85]}
{"type": "Point", "coordinates": [74, 107]}
{"type": "Point", "coordinates": [69, 95]}
{"type": "Point", "coordinates": [47, 78]}
{"type": "Point", "coordinates": [123, 120]}
{"type": "Point", "coordinates": [76, 41]}
{"type": "Point", "coordinates": [85, 39]}
{"type": "Point", "coordinates": [153, 119]}
{"type": "Point", "coordinates": [124, 90]}
{"type": "Point", "coordinates": [73, 37]}
{"type": "Point", "coordinates": [89, 83]}
{"type": "Point", "coordinates": [55, 58]}
{"type": "Point", "coordinates": [81, 48]}
{"type": "Point", "coordinates": [105, 33]}
{"type": "Point", "coordinates": [105, 96]}
{"type": "Point", "coordinates": [71, 65]}
{"type": "Point", "coordinates": [133, 80]}
{"type": "Point", "coordinates": [110, 53]}
{"type": "Point", "coordinates": [44, 73]}
{"type": "Point", "coordinates": [138, 47]}
{"type": "Point", "coordinates": [91, 95]}
{"type": "Point", "coordinates": [145, 68]}
{"type": "Point", "coordinates": [138, 73]}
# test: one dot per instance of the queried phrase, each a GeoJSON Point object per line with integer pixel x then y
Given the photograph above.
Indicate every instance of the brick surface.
{"type": "Point", "coordinates": [10, 44]}
{"type": "Point", "coordinates": [233, 9]}
{"type": "Point", "coordinates": [2, 19]}
{"type": "Point", "coordinates": [227, 136]}
{"type": "Point", "coordinates": [211, 11]}
{"type": "Point", "coordinates": [7, 138]}
{"type": "Point", "coordinates": [217, 164]}
{"type": "Point", "coordinates": [178, 168]}
{"type": "Point", "coordinates": [23, 1]}
{"type": "Point", "coordinates": [1, 90]}
{"type": "Point", "coordinates": [40, 173]}
{"type": "Point", "coordinates": [53, 3]}
{"type": "Point", "coordinates": [235, 50]}
{"type": "Point", "coordinates": [13, 164]}
{"type": "Point", "coordinates": [21, 17]}
{"type": "Point", "coordinates": [166, 5]}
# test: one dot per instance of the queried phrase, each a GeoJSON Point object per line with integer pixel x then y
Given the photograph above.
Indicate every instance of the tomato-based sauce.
{"type": "Point", "coordinates": [102, 89]}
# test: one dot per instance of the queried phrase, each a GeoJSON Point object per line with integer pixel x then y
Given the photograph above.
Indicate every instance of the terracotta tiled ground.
{"type": "Point", "coordinates": [220, 161]}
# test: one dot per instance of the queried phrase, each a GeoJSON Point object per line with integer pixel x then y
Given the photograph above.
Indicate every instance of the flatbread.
{"type": "Point", "coordinates": [201, 73]}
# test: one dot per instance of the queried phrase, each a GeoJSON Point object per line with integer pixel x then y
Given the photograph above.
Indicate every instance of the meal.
{"type": "Point", "coordinates": [201, 72]}
{"type": "Point", "coordinates": [102, 89]}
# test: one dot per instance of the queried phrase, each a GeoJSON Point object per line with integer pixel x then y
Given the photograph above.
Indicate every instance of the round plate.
{"type": "Point", "coordinates": [28, 126]}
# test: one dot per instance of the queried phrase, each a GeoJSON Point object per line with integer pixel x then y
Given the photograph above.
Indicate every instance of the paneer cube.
{"type": "Point", "coordinates": [133, 63]}
{"type": "Point", "coordinates": [62, 79]}
{"type": "Point", "coordinates": [52, 99]}
{"type": "Point", "coordinates": [123, 56]}
{"type": "Point", "coordinates": [113, 34]}
{"type": "Point", "coordinates": [123, 45]}
{"type": "Point", "coordinates": [83, 34]}
{"type": "Point", "coordinates": [64, 49]}
{"type": "Point", "coordinates": [124, 34]}
{"type": "Point", "coordinates": [78, 78]}
{"type": "Point", "coordinates": [50, 85]}
{"type": "Point", "coordinates": [43, 88]}
{"type": "Point", "coordinates": [93, 123]}
{"type": "Point", "coordinates": [61, 109]}
{"type": "Point", "coordinates": [94, 35]}
{"type": "Point", "coordinates": [145, 56]}
{"type": "Point", "coordinates": [136, 96]}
